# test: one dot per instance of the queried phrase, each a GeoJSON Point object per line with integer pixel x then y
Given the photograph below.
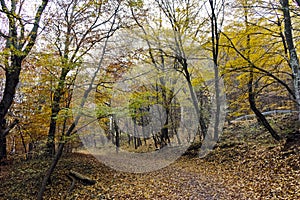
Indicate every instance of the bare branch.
{"type": "Point", "coordinates": [11, 126]}
{"type": "Point", "coordinates": [33, 33]}
{"type": "Point", "coordinates": [258, 68]}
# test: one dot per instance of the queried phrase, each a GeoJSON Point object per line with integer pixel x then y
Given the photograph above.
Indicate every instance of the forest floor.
{"type": "Point", "coordinates": [246, 164]}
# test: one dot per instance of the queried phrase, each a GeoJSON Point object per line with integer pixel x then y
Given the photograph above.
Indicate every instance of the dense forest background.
{"type": "Point", "coordinates": [69, 66]}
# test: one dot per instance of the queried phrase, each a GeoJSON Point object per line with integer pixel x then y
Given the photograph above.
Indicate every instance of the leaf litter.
{"type": "Point", "coordinates": [243, 168]}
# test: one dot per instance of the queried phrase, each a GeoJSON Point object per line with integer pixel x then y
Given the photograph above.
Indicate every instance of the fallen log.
{"type": "Point", "coordinates": [84, 179]}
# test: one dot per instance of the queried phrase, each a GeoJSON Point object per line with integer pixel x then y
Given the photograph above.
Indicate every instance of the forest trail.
{"type": "Point", "coordinates": [186, 178]}
{"type": "Point", "coordinates": [243, 165]}
{"type": "Point", "coordinates": [215, 177]}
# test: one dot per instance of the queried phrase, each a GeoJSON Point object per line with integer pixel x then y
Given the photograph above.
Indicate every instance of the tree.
{"type": "Point", "coordinates": [78, 27]}
{"type": "Point", "coordinates": [293, 57]}
{"type": "Point", "coordinates": [261, 58]}
{"type": "Point", "coordinates": [171, 45]}
{"type": "Point", "coordinates": [113, 26]}
{"type": "Point", "coordinates": [19, 41]}
{"type": "Point", "coordinates": [216, 19]}
{"type": "Point", "coordinates": [251, 94]}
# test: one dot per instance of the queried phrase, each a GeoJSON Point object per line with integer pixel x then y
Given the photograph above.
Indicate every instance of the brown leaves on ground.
{"type": "Point", "coordinates": [243, 169]}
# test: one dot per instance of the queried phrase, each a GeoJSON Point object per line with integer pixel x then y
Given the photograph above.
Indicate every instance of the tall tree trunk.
{"type": "Point", "coordinates": [117, 131]}
{"type": "Point", "coordinates": [203, 126]}
{"type": "Point", "coordinates": [293, 60]}
{"type": "Point", "coordinates": [58, 94]}
{"type": "Point", "coordinates": [215, 36]}
{"type": "Point", "coordinates": [12, 80]}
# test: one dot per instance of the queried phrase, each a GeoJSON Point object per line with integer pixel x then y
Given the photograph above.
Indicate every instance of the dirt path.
{"type": "Point", "coordinates": [231, 173]}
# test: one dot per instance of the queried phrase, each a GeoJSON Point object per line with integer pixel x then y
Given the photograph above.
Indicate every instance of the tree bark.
{"type": "Point", "coordinates": [3, 151]}
{"type": "Point", "coordinates": [117, 137]}
{"type": "Point", "coordinates": [58, 94]}
{"type": "Point", "coordinates": [12, 80]}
